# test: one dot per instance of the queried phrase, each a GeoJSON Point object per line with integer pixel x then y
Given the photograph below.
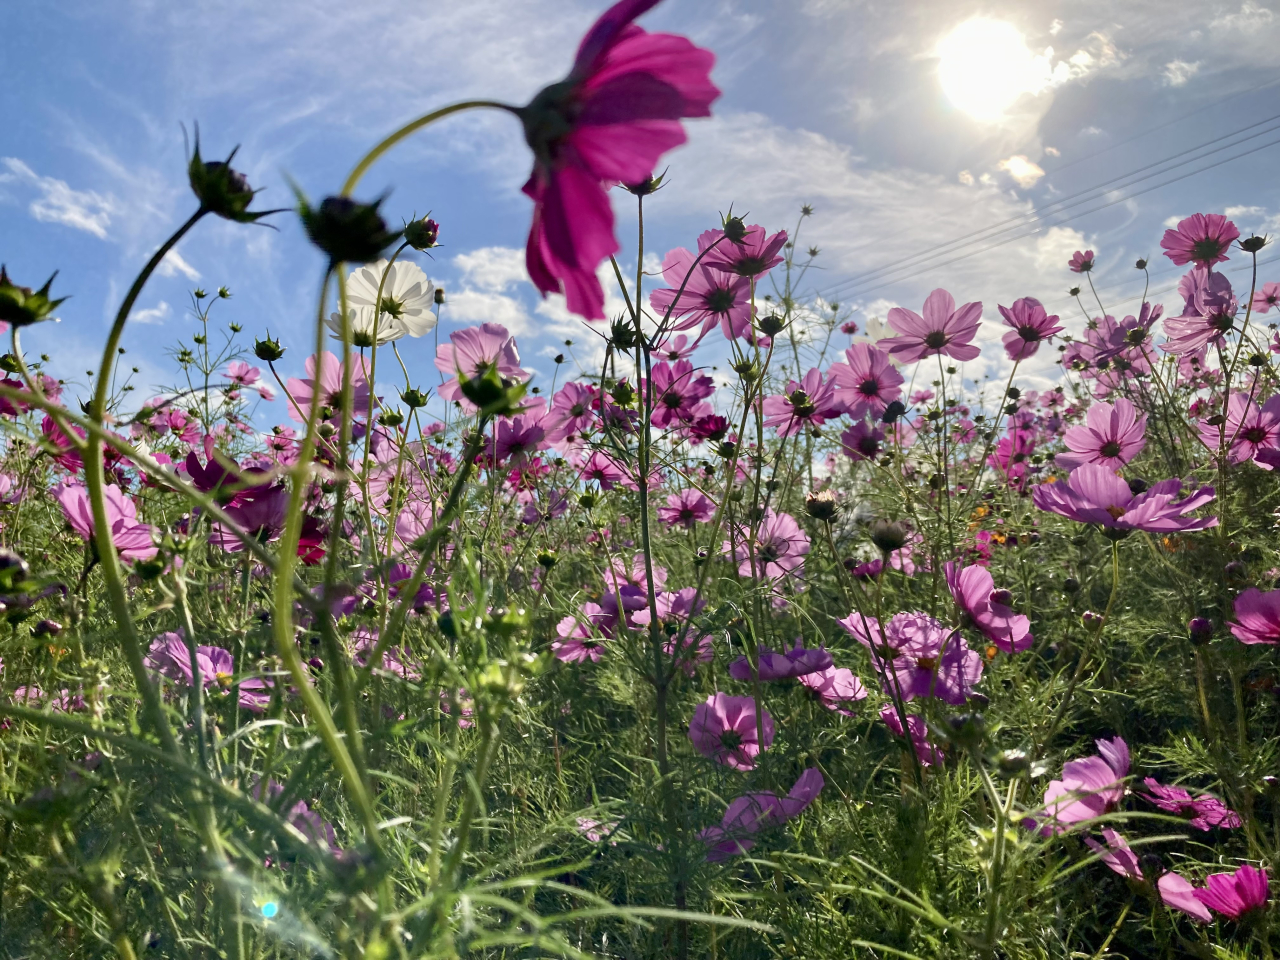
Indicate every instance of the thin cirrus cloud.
{"type": "Point", "coordinates": [57, 202]}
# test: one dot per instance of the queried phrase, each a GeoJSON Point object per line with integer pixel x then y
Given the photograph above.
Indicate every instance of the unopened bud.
{"type": "Point", "coordinates": [1200, 630]}
{"type": "Point", "coordinates": [888, 536]}
{"type": "Point", "coordinates": [268, 349]}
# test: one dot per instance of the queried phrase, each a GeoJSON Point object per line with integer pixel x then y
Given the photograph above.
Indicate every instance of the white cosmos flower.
{"type": "Point", "coordinates": [406, 306]}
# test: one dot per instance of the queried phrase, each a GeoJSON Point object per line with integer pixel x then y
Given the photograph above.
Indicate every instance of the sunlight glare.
{"type": "Point", "coordinates": [985, 67]}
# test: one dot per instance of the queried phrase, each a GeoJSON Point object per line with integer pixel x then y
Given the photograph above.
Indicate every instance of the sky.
{"type": "Point", "coordinates": [958, 144]}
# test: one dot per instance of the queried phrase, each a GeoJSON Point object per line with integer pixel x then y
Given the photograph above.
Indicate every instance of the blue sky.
{"type": "Point", "coordinates": [905, 135]}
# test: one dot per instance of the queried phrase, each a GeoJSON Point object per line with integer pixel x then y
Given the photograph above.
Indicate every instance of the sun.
{"type": "Point", "coordinates": [985, 66]}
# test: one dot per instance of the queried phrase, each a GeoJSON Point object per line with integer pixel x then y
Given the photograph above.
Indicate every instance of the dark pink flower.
{"type": "Point", "coordinates": [606, 471]}
{"type": "Point", "coordinates": [580, 638]}
{"type": "Point", "coordinates": [926, 752]}
{"type": "Point", "coordinates": [1257, 617]}
{"type": "Point", "coordinates": [323, 385]}
{"type": "Point", "coordinates": [749, 814]}
{"type": "Point", "coordinates": [471, 353]}
{"type": "Point", "coordinates": [1266, 298]}
{"type": "Point", "coordinates": [1089, 788]}
{"type": "Point", "coordinates": [862, 441]}
{"type": "Point", "coordinates": [572, 414]}
{"type": "Point", "coordinates": [751, 257]}
{"type": "Point", "coordinates": [710, 296]}
{"type": "Point", "coordinates": [1081, 261]}
{"type": "Point", "coordinates": [1207, 812]}
{"type": "Point", "coordinates": [780, 547]}
{"type": "Point", "coordinates": [63, 452]}
{"type": "Point", "coordinates": [1093, 494]}
{"type": "Point", "coordinates": [1208, 312]}
{"type": "Point", "coordinates": [609, 120]}
{"type": "Point", "coordinates": [807, 403]}
{"type": "Point", "coordinates": [260, 513]}
{"type": "Point", "coordinates": [867, 383]}
{"type": "Point", "coordinates": [1249, 430]}
{"type": "Point", "coordinates": [1117, 855]}
{"type": "Point", "coordinates": [943, 329]}
{"type": "Point", "coordinates": [1235, 894]}
{"type": "Point", "coordinates": [1031, 325]}
{"type": "Point", "coordinates": [987, 608]}
{"type": "Point", "coordinates": [724, 729]}
{"type": "Point", "coordinates": [170, 656]}
{"type": "Point", "coordinates": [517, 438]}
{"type": "Point", "coordinates": [677, 392]}
{"type": "Point", "coordinates": [838, 688]}
{"type": "Point", "coordinates": [1111, 436]}
{"type": "Point", "coordinates": [133, 540]}
{"type": "Point", "coordinates": [1012, 453]}
{"type": "Point", "coordinates": [796, 662]}
{"type": "Point", "coordinates": [1204, 238]}
{"type": "Point", "coordinates": [686, 508]}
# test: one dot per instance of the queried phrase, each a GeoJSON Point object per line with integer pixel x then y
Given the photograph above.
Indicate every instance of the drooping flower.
{"type": "Point", "coordinates": [796, 662]}
{"type": "Point", "coordinates": [471, 353]}
{"type": "Point", "coordinates": [609, 120]}
{"type": "Point", "coordinates": [323, 385]}
{"type": "Point", "coordinates": [1089, 788]}
{"type": "Point", "coordinates": [838, 688]}
{"type": "Point", "coordinates": [867, 382]}
{"type": "Point", "coordinates": [987, 608]}
{"type": "Point", "coordinates": [1203, 238]}
{"type": "Point", "coordinates": [1236, 894]}
{"type": "Point", "coordinates": [751, 257]}
{"type": "Point", "coordinates": [1112, 435]}
{"type": "Point", "coordinates": [943, 329]}
{"type": "Point", "coordinates": [724, 729]}
{"type": "Point", "coordinates": [1094, 494]}
{"type": "Point", "coordinates": [749, 814]}
{"type": "Point", "coordinates": [807, 403]}
{"type": "Point", "coordinates": [687, 508]}
{"type": "Point", "coordinates": [710, 296]}
{"type": "Point", "coordinates": [1208, 313]}
{"type": "Point", "coordinates": [928, 754]}
{"type": "Point", "coordinates": [405, 307]}
{"type": "Point", "coordinates": [1207, 812]}
{"type": "Point", "coordinates": [1175, 891]}
{"type": "Point", "coordinates": [133, 539]}
{"type": "Point", "coordinates": [1081, 261]}
{"type": "Point", "coordinates": [1031, 326]}
{"type": "Point", "coordinates": [779, 549]}
{"type": "Point", "coordinates": [1257, 617]}
{"type": "Point", "coordinates": [677, 392]}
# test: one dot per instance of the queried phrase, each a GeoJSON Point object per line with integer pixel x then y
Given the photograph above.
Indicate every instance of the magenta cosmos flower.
{"type": "Point", "coordinates": [807, 403]}
{"type": "Point", "coordinates": [1203, 238]}
{"type": "Point", "coordinates": [170, 656]}
{"type": "Point", "coordinates": [916, 656]}
{"type": "Point", "coordinates": [1257, 617]}
{"type": "Point", "coordinates": [580, 637]}
{"type": "Point", "coordinates": [1081, 261]}
{"type": "Point", "coordinates": [677, 392]}
{"type": "Point", "coordinates": [987, 608]}
{"type": "Point", "coordinates": [1208, 312]}
{"type": "Point", "coordinates": [1235, 894]}
{"type": "Point", "coordinates": [837, 688]}
{"type": "Point", "coordinates": [1266, 298]}
{"type": "Point", "coordinates": [1089, 788]}
{"type": "Point", "coordinates": [751, 257]}
{"type": "Point", "coordinates": [753, 812]}
{"type": "Point", "coordinates": [133, 540]}
{"type": "Point", "coordinates": [1249, 430]}
{"type": "Point", "coordinates": [472, 353]}
{"type": "Point", "coordinates": [686, 508]}
{"type": "Point", "coordinates": [572, 414]}
{"type": "Point", "coordinates": [259, 512]}
{"type": "Point", "coordinates": [1175, 891]}
{"type": "Point", "coordinates": [1031, 325]}
{"type": "Point", "coordinates": [861, 441]}
{"type": "Point", "coordinates": [323, 385]}
{"type": "Point", "coordinates": [1206, 812]}
{"type": "Point", "coordinates": [928, 754]}
{"type": "Point", "coordinates": [1094, 494]}
{"type": "Point", "coordinates": [942, 329]}
{"type": "Point", "coordinates": [867, 383]}
{"type": "Point", "coordinates": [724, 729]}
{"type": "Point", "coordinates": [780, 547]}
{"type": "Point", "coordinates": [1111, 436]}
{"type": "Point", "coordinates": [709, 296]}
{"type": "Point", "coordinates": [796, 662]}
{"type": "Point", "coordinates": [609, 120]}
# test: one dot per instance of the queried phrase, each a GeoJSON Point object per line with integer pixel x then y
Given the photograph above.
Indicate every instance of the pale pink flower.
{"type": "Point", "coordinates": [943, 329]}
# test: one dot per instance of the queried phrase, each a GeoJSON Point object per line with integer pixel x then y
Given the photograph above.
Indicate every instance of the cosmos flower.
{"type": "Point", "coordinates": [1081, 261]}
{"type": "Point", "coordinates": [1031, 325]}
{"type": "Point", "coordinates": [1111, 436]}
{"type": "Point", "coordinates": [1250, 430]}
{"type": "Point", "coordinates": [609, 120]}
{"type": "Point", "coordinates": [677, 392]}
{"type": "Point", "coordinates": [406, 304]}
{"type": "Point", "coordinates": [862, 441]}
{"type": "Point", "coordinates": [751, 257]}
{"type": "Point", "coordinates": [572, 412]}
{"type": "Point", "coordinates": [1175, 891]}
{"type": "Point", "coordinates": [724, 729]}
{"type": "Point", "coordinates": [1236, 894]}
{"type": "Point", "coordinates": [471, 353]}
{"type": "Point", "coordinates": [987, 608]}
{"type": "Point", "coordinates": [687, 508]}
{"type": "Point", "coordinates": [1266, 298]}
{"type": "Point", "coordinates": [710, 296]}
{"type": "Point", "coordinates": [796, 662]}
{"type": "Point", "coordinates": [170, 656]}
{"type": "Point", "coordinates": [133, 540]}
{"type": "Point", "coordinates": [1089, 788]}
{"type": "Point", "coordinates": [838, 688]}
{"type": "Point", "coordinates": [1257, 617]}
{"type": "Point", "coordinates": [780, 547]}
{"type": "Point", "coordinates": [807, 403]}
{"type": "Point", "coordinates": [1094, 494]}
{"type": "Point", "coordinates": [1208, 312]}
{"type": "Point", "coordinates": [753, 812]}
{"type": "Point", "coordinates": [1202, 238]}
{"type": "Point", "coordinates": [259, 512]}
{"type": "Point", "coordinates": [867, 382]}
{"type": "Point", "coordinates": [943, 329]}
{"type": "Point", "coordinates": [1207, 812]}
{"type": "Point", "coordinates": [579, 638]}
{"type": "Point", "coordinates": [926, 752]}
{"type": "Point", "coordinates": [323, 385]}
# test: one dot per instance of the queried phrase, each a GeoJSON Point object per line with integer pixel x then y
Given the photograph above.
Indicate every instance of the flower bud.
{"type": "Point", "coordinates": [46, 628]}
{"type": "Point", "coordinates": [1200, 630]}
{"type": "Point", "coordinates": [893, 411]}
{"type": "Point", "coordinates": [588, 501]}
{"type": "Point", "coordinates": [1258, 360]}
{"type": "Point", "coordinates": [647, 186]}
{"type": "Point", "coordinates": [1073, 292]}
{"type": "Point", "coordinates": [1091, 620]}
{"type": "Point", "coordinates": [1013, 393]}
{"type": "Point", "coordinates": [345, 229]}
{"type": "Point", "coordinates": [1141, 265]}
{"type": "Point", "coordinates": [221, 189]}
{"type": "Point", "coordinates": [547, 559]}
{"type": "Point", "coordinates": [438, 296]}
{"type": "Point", "coordinates": [13, 569]}
{"type": "Point", "coordinates": [413, 398]}
{"type": "Point", "coordinates": [421, 234]}
{"type": "Point", "coordinates": [623, 394]}
{"type": "Point", "coordinates": [967, 730]}
{"type": "Point", "coordinates": [391, 418]}
{"type": "Point", "coordinates": [20, 306]}
{"type": "Point", "coordinates": [735, 230]}
{"type": "Point", "coordinates": [772, 325]}
{"type": "Point", "coordinates": [1001, 597]}
{"type": "Point", "coordinates": [268, 349]}
{"type": "Point", "coordinates": [9, 364]}
{"type": "Point", "coordinates": [1013, 761]}
{"type": "Point", "coordinates": [728, 450]}
{"type": "Point", "coordinates": [622, 334]}
{"type": "Point", "coordinates": [1253, 244]}
{"type": "Point", "coordinates": [888, 536]}
{"type": "Point", "coordinates": [747, 370]}
{"type": "Point", "coordinates": [821, 505]}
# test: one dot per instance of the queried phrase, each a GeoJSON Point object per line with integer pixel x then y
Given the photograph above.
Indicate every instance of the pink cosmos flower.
{"type": "Point", "coordinates": [1249, 430]}
{"type": "Point", "coordinates": [1031, 325]}
{"type": "Point", "coordinates": [710, 296]}
{"type": "Point", "coordinates": [1094, 494]}
{"type": "Point", "coordinates": [676, 392]}
{"type": "Point", "coordinates": [862, 441]}
{"type": "Point", "coordinates": [1257, 617]}
{"type": "Point", "coordinates": [517, 438]}
{"type": "Point", "coordinates": [724, 729]}
{"type": "Point", "coordinates": [1235, 894]}
{"type": "Point", "coordinates": [64, 452]}
{"type": "Point", "coordinates": [133, 540]}
{"type": "Point", "coordinates": [596, 830]}
{"type": "Point", "coordinates": [1111, 436]}
{"type": "Point", "coordinates": [1208, 312]}
{"type": "Point", "coordinates": [808, 403]}
{"type": "Point", "coordinates": [751, 257]}
{"type": "Point", "coordinates": [1174, 890]}
{"type": "Point", "coordinates": [916, 656]}
{"type": "Point", "coordinates": [170, 656]}
{"type": "Point", "coordinates": [780, 547]}
{"type": "Point", "coordinates": [926, 752]}
{"type": "Point", "coordinates": [470, 353]}
{"type": "Point", "coordinates": [987, 608]}
{"type": "Point", "coordinates": [606, 471]}
{"type": "Point", "coordinates": [943, 329]}
{"type": "Point", "coordinates": [672, 349]}
{"type": "Point", "coordinates": [1089, 788]}
{"type": "Point", "coordinates": [1178, 893]}
{"type": "Point", "coordinates": [1208, 812]}
{"type": "Point", "coordinates": [796, 662]}
{"type": "Point", "coordinates": [1200, 237]}
{"type": "Point", "coordinates": [579, 638]}
{"type": "Point", "coordinates": [838, 688]}
{"type": "Point", "coordinates": [1081, 262]}
{"type": "Point", "coordinates": [686, 508]}
{"type": "Point", "coordinates": [867, 383]}
{"type": "Point", "coordinates": [259, 512]}
{"type": "Point", "coordinates": [609, 120]}
{"type": "Point", "coordinates": [1266, 298]}
{"type": "Point", "coordinates": [752, 812]}
{"type": "Point", "coordinates": [323, 385]}
{"type": "Point", "coordinates": [572, 413]}
{"type": "Point", "coordinates": [1012, 453]}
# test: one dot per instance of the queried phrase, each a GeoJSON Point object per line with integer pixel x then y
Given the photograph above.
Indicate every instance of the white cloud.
{"type": "Point", "coordinates": [1023, 171]}
{"type": "Point", "coordinates": [1055, 28]}
{"type": "Point", "coordinates": [487, 306]}
{"type": "Point", "coordinates": [492, 268]}
{"type": "Point", "coordinates": [59, 203]}
{"type": "Point", "coordinates": [1178, 72]}
{"type": "Point", "coordinates": [1250, 17]}
{"type": "Point", "coordinates": [1171, 223]}
{"type": "Point", "coordinates": [1245, 211]}
{"type": "Point", "coordinates": [173, 264]}
{"type": "Point", "coordinates": [1053, 151]}
{"type": "Point", "coordinates": [965, 177]}
{"type": "Point", "coordinates": [154, 315]}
